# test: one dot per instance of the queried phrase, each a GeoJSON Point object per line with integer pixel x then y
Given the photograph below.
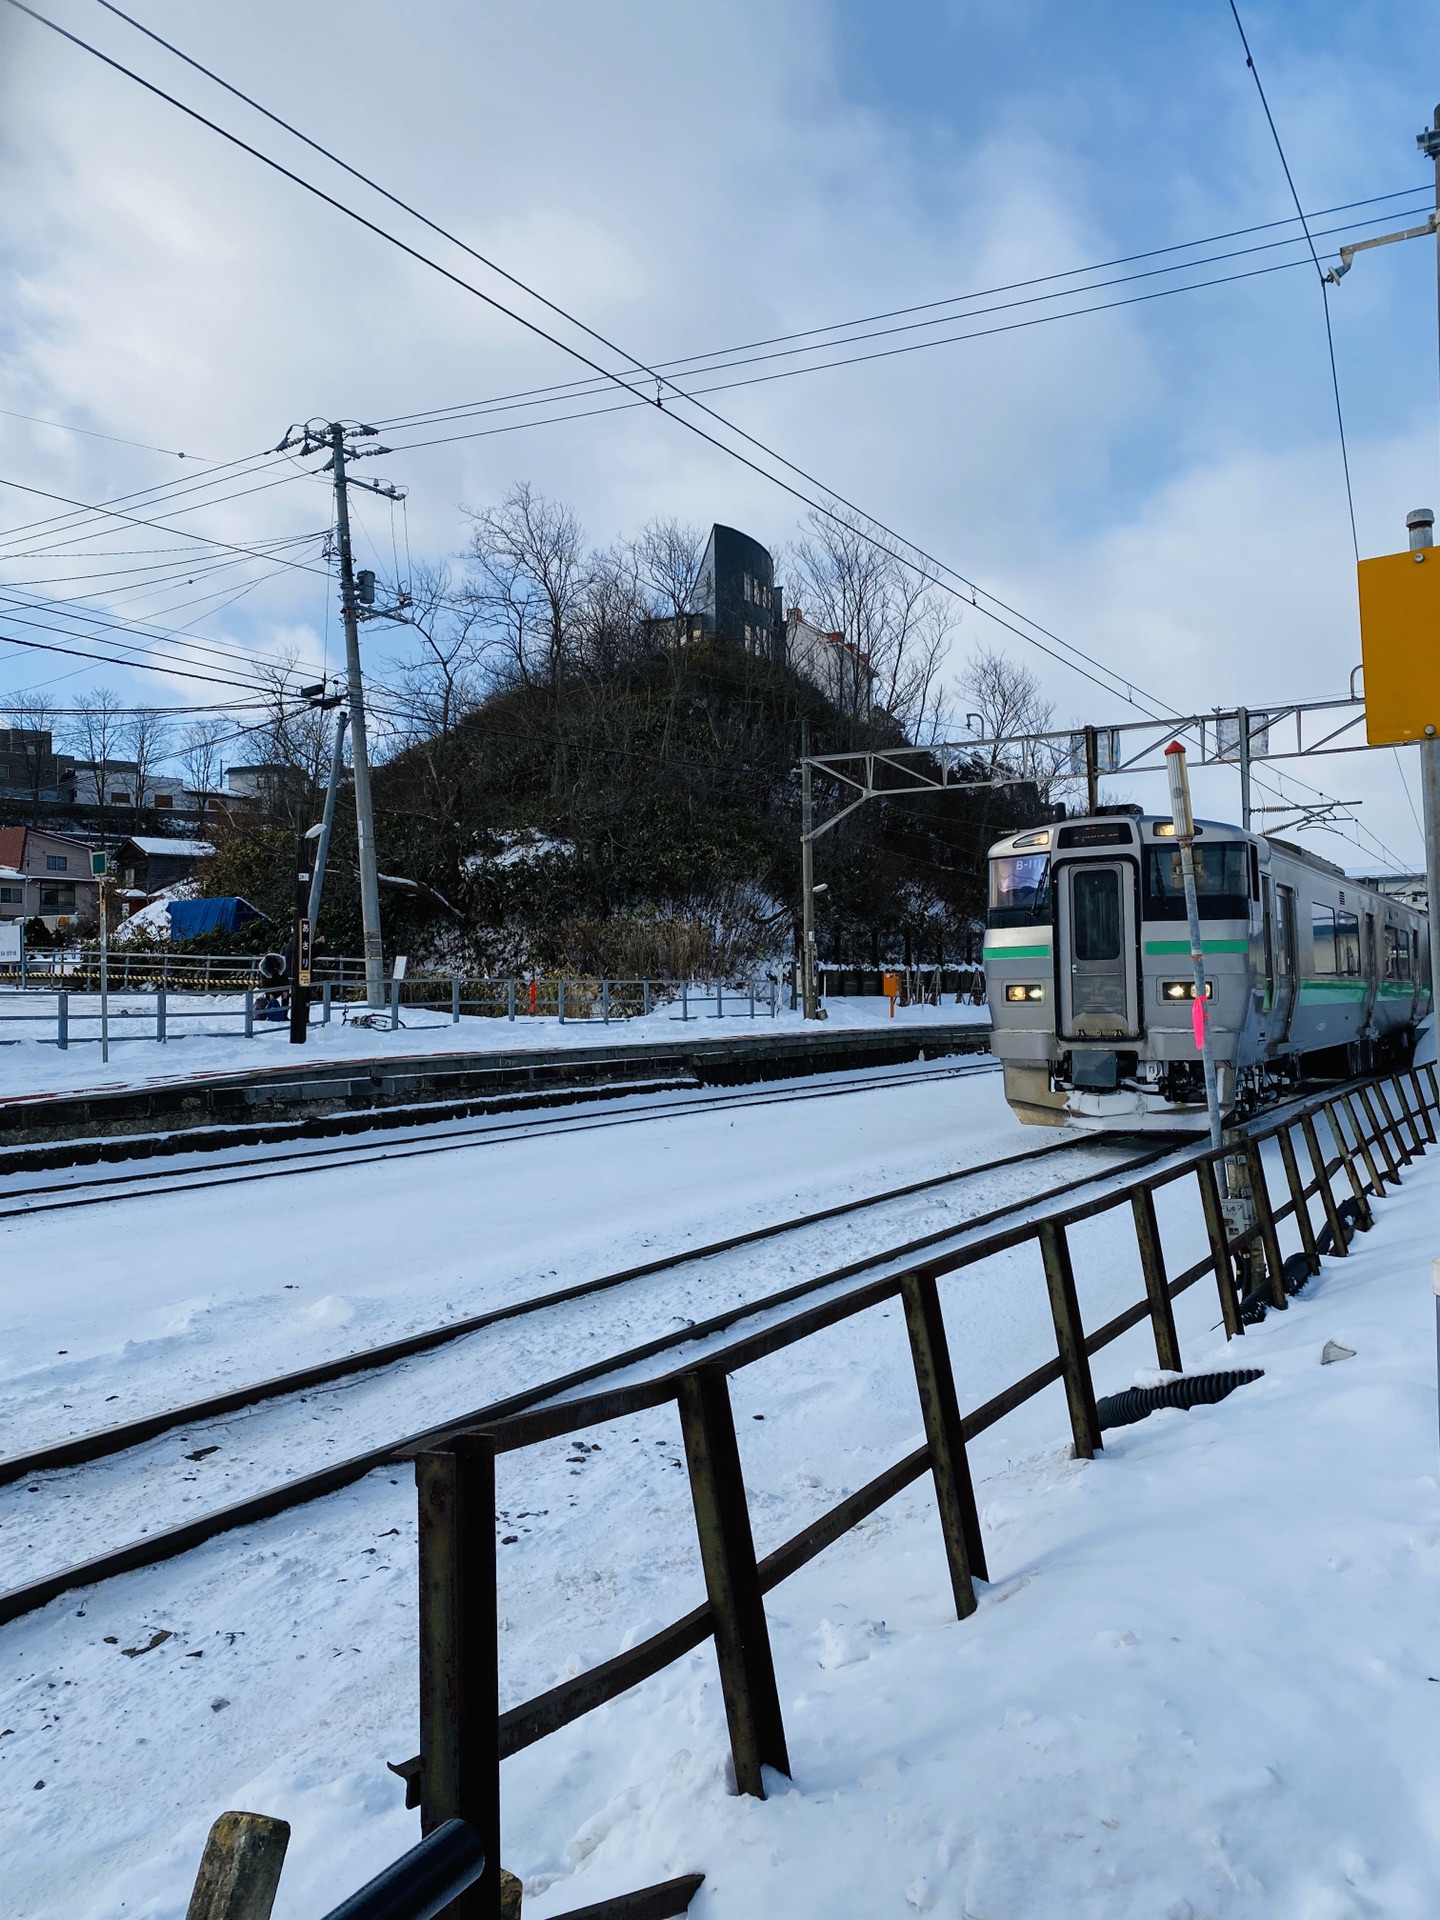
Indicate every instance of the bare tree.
{"type": "Point", "coordinates": [894, 627]}
{"type": "Point", "coordinates": [294, 742]}
{"type": "Point", "coordinates": [666, 555]}
{"type": "Point", "coordinates": [1006, 698]}
{"type": "Point", "coordinates": [147, 739]}
{"type": "Point", "coordinates": [96, 725]}
{"type": "Point", "coordinates": [528, 579]}
{"type": "Point", "coordinates": [447, 680]}
{"type": "Point", "coordinates": [200, 757]}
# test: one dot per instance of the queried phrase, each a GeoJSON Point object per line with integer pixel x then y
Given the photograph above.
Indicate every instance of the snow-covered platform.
{"type": "Point", "coordinates": [208, 1079]}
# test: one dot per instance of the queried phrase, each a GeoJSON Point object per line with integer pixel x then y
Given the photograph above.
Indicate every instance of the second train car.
{"type": "Point", "coordinates": [1090, 983]}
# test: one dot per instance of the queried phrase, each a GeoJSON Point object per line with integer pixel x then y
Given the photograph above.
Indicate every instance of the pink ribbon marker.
{"type": "Point", "coordinates": [1197, 1021]}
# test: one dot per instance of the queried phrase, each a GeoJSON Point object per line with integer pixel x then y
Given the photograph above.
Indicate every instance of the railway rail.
{"type": "Point", "coordinates": [163, 1542]}
{"type": "Point", "coordinates": [16, 1202]}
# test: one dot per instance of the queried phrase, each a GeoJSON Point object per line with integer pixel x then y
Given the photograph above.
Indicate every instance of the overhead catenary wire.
{"type": "Point", "coordinates": [1319, 271]}
{"type": "Point", "coordinates": [92, 433]}
{"type": "Point", "coordinates": [924, 565]}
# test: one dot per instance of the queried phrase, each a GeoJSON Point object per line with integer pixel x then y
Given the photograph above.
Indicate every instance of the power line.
{"type": "Point", "coordinates": [822, 506]}
{"type": "Point", "coordinates": [1122, 689]}
{"type": "Point", "coordinates": [90, 433]}
{"type": "Point", "coordinates": [724, 359]}
{"type": "Point", "coordinates": [151, 495]}
{"type": "Point", "coordinates": [1319, 273]}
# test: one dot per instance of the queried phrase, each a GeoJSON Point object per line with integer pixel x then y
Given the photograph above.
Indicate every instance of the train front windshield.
{"type": "Point", "coordinates": [1020, 890]}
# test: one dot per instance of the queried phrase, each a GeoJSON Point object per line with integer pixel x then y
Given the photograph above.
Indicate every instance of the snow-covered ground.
{"type": "Point", "coordinates": [206, 1036]}
{"type": "Point", "coordinates": [1198, 1683]}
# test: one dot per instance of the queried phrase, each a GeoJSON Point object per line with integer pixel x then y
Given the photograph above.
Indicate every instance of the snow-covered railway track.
{"type": "Point", "coordinates": [237, 1456]}
{"type": "Point", "coordinates": [220, 1166]}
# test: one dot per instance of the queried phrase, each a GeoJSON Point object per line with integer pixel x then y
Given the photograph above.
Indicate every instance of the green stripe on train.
{"type": "Point", "coordinates": [1333, 990]}
{"type": "Point", "coordinates": [1016, 953]}
{"type": "Point", "coordinates": [1210, 946]}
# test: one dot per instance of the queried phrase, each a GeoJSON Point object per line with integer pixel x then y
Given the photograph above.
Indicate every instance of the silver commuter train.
{"type": "Point", "coordinates": [1090, 983]}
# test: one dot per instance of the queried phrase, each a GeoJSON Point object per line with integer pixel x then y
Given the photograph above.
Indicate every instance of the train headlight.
{"type": "Point", "coordinates": [1185, 990]}
{"type": "Point", "coordinates": [1018, 992]}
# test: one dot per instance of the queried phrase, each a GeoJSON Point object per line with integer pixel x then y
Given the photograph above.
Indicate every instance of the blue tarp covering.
{"type": "Point", "coordinates": [190, 918]}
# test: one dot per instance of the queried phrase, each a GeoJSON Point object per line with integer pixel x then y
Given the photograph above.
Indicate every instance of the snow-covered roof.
{"type": "Point", "coordinates": [174, 849]}
{"type": "Point", "coordinates": [9, 873]}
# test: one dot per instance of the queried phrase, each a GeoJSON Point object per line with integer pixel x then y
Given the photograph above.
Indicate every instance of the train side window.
{"type": "Point", "coordinates": [1322, 938]}
{"type": "Point", "coordinates": [1414, 954]}
{"type": "Point", "coordinates": [1254, 873]}
{"type": "Point", "coordinates": [1347, 944]}
{"type": "Point", "coordinates": [1397, 954]}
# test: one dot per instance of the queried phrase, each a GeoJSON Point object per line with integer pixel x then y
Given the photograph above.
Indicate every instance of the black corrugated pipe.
{"type": "Point", "coordinates": [1192, 1390]}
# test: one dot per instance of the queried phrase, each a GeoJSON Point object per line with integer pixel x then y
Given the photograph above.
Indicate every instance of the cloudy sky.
{"type": "Point", "coordinates": [1158, 483]}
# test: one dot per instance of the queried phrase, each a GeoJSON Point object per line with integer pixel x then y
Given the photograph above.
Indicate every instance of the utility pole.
{"type": "Point", "coordinates": [357, 597]}
{"type": "Point", "coordinates": [807, 879]}
{"type": "Point", "coordinates": [327, 820]}
{"type": "Point", "coordinates": [359, 746]}
{"type": "Point", "coordinates": [300, 946]}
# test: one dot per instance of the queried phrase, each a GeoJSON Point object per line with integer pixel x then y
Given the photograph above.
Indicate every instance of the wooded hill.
{"type": "Point", "coordinates": [588, 793]}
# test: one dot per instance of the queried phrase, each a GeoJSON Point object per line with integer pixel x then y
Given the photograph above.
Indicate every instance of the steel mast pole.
{"type": "Point", "coordinates": [1421, 525]}
{"type": "Point", "coordinates": [807, 878]}
{"type": "Point", "coordinates": [327, 821]}
{"type": "Point", "coordinates": [359, 749]}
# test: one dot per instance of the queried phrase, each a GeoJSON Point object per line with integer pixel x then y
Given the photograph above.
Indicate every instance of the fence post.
{"type": "Point", "coordinates": [1070, 1340]}
{"type": "Point", "coordinates": [1347, 1159]}
{"type": "Point", "coordinates": [1219, 1248]}
{"type": "Point", "coordinates": [1389, 1148]}
{"type": "Point", "coordinates": [560, 1000]}
{"type": "Point", "coordinates": [727, 1553]}
{"type": "Point", "coordinates": [240, 1868]}
{"type": "Point", "coordinates": [510, 999]}
{"type": "Point", "coordinates": [160, 1032]}
{"type": "Point", "coordinates": [949, 1465]}
{"type": "Point", "coordinates": [1338, 1243]}
{"type": "Point", "coordinates": [249, 1013]}
{"type": "Point", "coordinates": [325, 992]}
{"type": "Point", "coordinates": [1400, 1123]}
{"type": "Point", "coordinates": [1411, 1117]}
{"type": "Point", "coordinates": [684, 999]}
{"type": "Point", "coordinates": [645, 998]}
{"type": "Point", "coordinates": [394, 1005]}
{"type": "Point", "coordinates": [752, 996]}
{"type": "Point", "coordinates": [719, 1001]}
{"type": "Point", "coordinates": [1265, 1215]}
{"type": "Point", "coordinates": [605, 1001]}
{"type": "Point", "coordinates": [1157, 1290]}
{"type": "Point", "coordinates": [459, 1656]}
{"type": "Point", "coordinates": [774, 999]}
{"type": "Point", "coordinates": [1297, 1198]}
{"type": "Point", "coordinates": [1420, 1106]}
{"type": "Point", "coordinates": [62, 1021]}
{"type": "Point", "coordinates": [455, 1000]}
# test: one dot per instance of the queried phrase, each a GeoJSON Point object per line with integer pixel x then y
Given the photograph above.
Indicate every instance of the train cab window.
{"type": "Point", "coordinates": [1095, 913]}
{"type": "Point", "coordinates": [1335, 941]}
{"type": "Point", "coordinates": [1222, 882]}
{"type": "Point", "coordinates": [1019, 891]}
{"type": "Point", "coordinates": [1098, 833]}
{"type": "Point", "coordinates": [1397, 954]}
{"type": "Point", "coordinates": [1254, 873]}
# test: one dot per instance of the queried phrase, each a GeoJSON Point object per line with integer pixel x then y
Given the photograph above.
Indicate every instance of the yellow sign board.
{"type": "Point", "coordinates": [1400, 645]}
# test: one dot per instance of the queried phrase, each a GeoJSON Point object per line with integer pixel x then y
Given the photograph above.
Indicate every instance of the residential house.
{"type": "Point", "coordinates": [830, 662]}
{"type": "Point", "coordinates": [147, 864]}
{"type": "Point", "coordinates": [62, 889]}
{"type": "Point", "coordinates": [30, 768]}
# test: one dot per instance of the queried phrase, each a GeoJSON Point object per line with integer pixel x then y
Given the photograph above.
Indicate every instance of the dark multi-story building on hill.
{"type": "Point", "coordinates": [736, 601]}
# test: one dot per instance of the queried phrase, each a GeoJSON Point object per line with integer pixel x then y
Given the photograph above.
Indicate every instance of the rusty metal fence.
{"type": "Point", "coordinates": [1376, 1127]}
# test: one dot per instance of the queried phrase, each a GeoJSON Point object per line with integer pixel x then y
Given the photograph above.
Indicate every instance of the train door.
{"type": "Point", "coordinates": [1372, 968]}
{"type": "Point", "coordinates": [1280, 952]}
{"type": "Point", "coordinates": [1099, 992]}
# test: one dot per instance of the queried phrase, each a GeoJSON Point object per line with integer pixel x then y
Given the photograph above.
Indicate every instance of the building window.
{"type": "Point", "coordinates": [119, 799]}
{"type": "Point", "coordinates": [56, 899]}
{"type": "Point", "coordinates": [164, 799]}
{"type": "Point", "coordinates": [57, 863]}
{"type": "Point", "coordinates": [12, 896]}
